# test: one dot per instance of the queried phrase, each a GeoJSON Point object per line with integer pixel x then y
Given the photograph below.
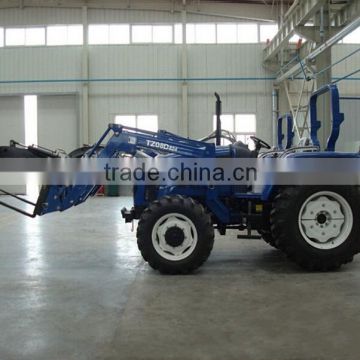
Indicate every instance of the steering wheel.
{"type": "Point", "coordinates": [259, 143]}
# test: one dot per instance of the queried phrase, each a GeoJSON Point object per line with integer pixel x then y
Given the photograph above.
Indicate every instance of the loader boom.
{"type": "Point", "coordinates": [124, 140]}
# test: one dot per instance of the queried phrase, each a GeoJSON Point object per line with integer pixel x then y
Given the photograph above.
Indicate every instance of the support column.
{"type": "Point", "coordinates": [275, 113]}
{"type": "Point", "coordinates": [184, 121]}
{"type": "Point", "coordinates": [322, 19]}
{"type": "Point", "coordinates": [84, 124]}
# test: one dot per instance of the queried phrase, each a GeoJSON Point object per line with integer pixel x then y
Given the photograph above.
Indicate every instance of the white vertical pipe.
{"type": "Point", "coordinates": [275, 113]}
{"type": "Point", "coordinates": [184, 123]}
{"type": "Point", "coordinates": [84, 125]}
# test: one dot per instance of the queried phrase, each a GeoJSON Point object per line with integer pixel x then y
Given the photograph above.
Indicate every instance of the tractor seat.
{"type": "Point", "coordinates": [241, 150]}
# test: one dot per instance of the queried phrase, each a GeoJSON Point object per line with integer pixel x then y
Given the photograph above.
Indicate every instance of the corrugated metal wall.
{"type": "Point", "coordinates": [39, 16]}
{"type": "Point", "coordinates": [135, 61]}
{"type": "Point", "coordinates": [349, 139]}
{"type": "Point", "coordinates": [146, 61]}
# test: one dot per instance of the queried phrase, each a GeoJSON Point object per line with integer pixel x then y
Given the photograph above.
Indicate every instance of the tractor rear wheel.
{"type": "Point", "coordinates": [316, 226]}
{"type": "Point", "coordinates": [175, 235]}
{"type": "Point", "coordinates": [268, 238]}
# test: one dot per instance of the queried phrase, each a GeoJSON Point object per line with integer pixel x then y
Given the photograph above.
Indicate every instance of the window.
{"type": "Point", "coordinates": [109, 34]}
{"type": "Point", "coordinates": [126, 120]}
{"type": "Point", "coordinates": [31, 137]}
{"type": "Point", "coordinates": [196, 33]}
{"type": "Point", "coordinates": [178, 33]}
{"type": "Point", "coordinates": [227, 122]}
{"type": "Point", "coordinates": [226, 33]}
{"type": "Point", "coordinates": [30, 111]}
{"type": "Point", "coordinates": [98, 34]}
{"type": "Point", "coordinates": [119, 34]}
{"type": "Point", "coordinates": [353, 37]}
{"type": "Point", "coordinates": [25, 36]}
{"type": "Point", "coordinates": [190, 33]}
{"type": "Point", "coordinates": [141, 33]}
{"type": "Point", "coordinates": [245, 123]}
{"type": "Point", "coordinates": [205, 33]}
{"type": "Point", "coordinates": [15, 37]}
{"type": "Point", "coordinates": [241, 125]}
{"type": "Point", "coordinates": [201, 33]}
{"type": "Point", "coordinates": [56, 35]}
{"type": "Point", "coordinates": [35, 36]}
{"type": "Point", "coordinates": [64, 35]}
{"type": "Point", "coordinates": [147, 122]}
{"type": "Point", "coordinates": [152, 34]}
{"type": "Point", "coordinates": [162, 34]}
{"type": "Point", "coordinates": [247, 33]}
{"type": "Point", "coordinates": [74, 35]}
{"type": "Point", "coordinates": [143, 122]}
{"type": "Point", "coordinates": [267, 32]}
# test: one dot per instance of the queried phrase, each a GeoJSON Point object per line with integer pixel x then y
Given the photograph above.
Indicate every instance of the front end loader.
{"type": "Point", "coordinates": [315, 226]}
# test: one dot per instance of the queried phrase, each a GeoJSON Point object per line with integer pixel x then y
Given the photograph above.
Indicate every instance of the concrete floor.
{"type": "Point", "coordinates": [73, 286]}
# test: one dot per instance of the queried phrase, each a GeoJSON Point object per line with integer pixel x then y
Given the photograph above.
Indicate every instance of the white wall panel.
{"type": "Point", "coordinates": [40, 63]}
{"type": "Point", "coordinates": [250, 96]}
{"type": "Point", "coordinates": [12, 127]}
{"type": "Point", "coordinates": [134, 97]}
{"type": "Point", "coordinates": [58, 122]}
{"type": "Point", "coordinates": [350, 130]}
{"type": "Point", "coordinates": [12, 119]}
{"type": "Point", "coordinates": [98, 16]}
{"type": "Point", "coordinates": [349, 139]}
{"type": "Point", "coordinates": [347, 66]}
{"type": "Point", "coordinates": [39, 16]}
{"type": "Point", "coordinates": [106, 99]}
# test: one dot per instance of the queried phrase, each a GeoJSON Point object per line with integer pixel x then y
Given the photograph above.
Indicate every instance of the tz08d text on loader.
{"type": "Point", "coordinates": [314, 226]}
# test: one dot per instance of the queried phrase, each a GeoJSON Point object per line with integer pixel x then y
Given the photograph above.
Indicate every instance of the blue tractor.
{"type": "Point", "coordinates": [314, 226]}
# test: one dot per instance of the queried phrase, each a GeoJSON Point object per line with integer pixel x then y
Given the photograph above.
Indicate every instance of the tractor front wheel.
{"type": "Point", "coordinates": [316, 226]}
{"type": "Point", "coordinates": [175, 235]}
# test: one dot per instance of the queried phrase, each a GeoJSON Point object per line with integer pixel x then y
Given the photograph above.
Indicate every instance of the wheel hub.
{"type": "Point", "coordinates": [322, 218]}
{"type": "Point", "coordinates": [325, 220]}
{"type": "Point", "coordinates": [174, 236]}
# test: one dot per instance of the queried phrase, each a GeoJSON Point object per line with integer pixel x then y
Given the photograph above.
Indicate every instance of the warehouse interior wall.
{"type": "Point", "coordinates": [57, 70]}
{"type": "Point", "coordinates": [349, 134]}
{"type": "Point", "coordinates": [58, 121]}
{"type": "Point", "coordinates": [164, 98]}
{"type": "Point", "coordinates": [12, 127]}
{"type": "Point", "coordinates": [106, 99]}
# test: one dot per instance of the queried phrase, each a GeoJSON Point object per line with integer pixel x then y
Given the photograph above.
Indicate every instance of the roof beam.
{"type": "Point", "coordinates": [298, 15]}
{"type": "Point", "coordinates": [347, 13]}
{"type": "Point", "coordinates": [253, 12]}
{"type": "Point", "coordinates": [333, 40]}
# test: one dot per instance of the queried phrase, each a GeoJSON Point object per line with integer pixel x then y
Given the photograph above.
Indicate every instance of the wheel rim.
{"type": "Point", "coordinates": [174, 236]}
{"type": "Point", "coordinates": [325, 220]}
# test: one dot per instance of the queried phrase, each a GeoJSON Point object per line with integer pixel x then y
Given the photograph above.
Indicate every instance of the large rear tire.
{"type": "Point", "coordinates": [316, 226]}
{"type": "Point", "coordinates": [268, 238]}
{"type": "Point", "coordinates": [175, 235]}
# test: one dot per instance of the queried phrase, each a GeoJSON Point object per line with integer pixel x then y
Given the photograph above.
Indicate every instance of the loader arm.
{"type": "Point", "coordinates": [124, 140]}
